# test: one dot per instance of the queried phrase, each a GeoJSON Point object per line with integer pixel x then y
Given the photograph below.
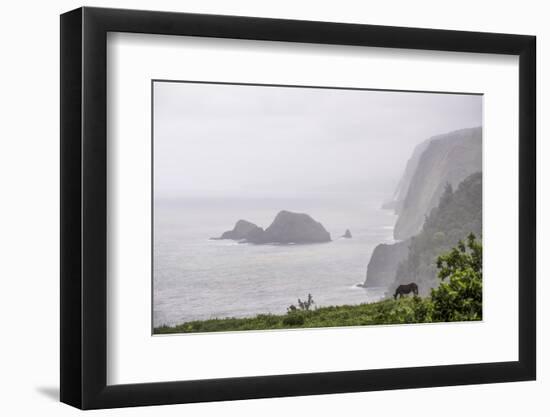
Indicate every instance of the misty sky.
{"type": "Point", "coordinates": [254, 141]}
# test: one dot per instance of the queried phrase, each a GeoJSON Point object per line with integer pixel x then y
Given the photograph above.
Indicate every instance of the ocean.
{"type": "Point", "coordinates": [196, 278]}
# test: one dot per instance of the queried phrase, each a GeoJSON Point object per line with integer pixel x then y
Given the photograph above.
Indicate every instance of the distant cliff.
{"type": "Point", "coordinates": [443, 159]}
{"type": "Point", "coordinates": [404, 183]}
{"type": "Point", "coordinates": [287, 227]}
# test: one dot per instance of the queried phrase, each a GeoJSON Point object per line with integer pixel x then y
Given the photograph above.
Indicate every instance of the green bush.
{"type": "Point", "coordinates": [459, 296]}
{"type": "Point", "coordinates": [294, 319]}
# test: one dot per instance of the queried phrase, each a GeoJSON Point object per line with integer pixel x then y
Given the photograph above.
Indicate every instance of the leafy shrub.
{"type": "Point", "coordinates": [459, 296]}
{"type": "Point", "coordinates": [294, 319]}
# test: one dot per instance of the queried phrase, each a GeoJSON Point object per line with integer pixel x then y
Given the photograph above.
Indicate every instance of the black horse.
{"type": "Point", "coordinates": [406, 289]}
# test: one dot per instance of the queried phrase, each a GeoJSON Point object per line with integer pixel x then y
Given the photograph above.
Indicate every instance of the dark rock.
{"type": "Point", "coordinates": [383, 264]}
{"type": "Point", "coordinates": [347, 235]}
{"type": "Point", "coordinates": [289, 227]}
{"type": "Point", "coordinates": [243, 230]}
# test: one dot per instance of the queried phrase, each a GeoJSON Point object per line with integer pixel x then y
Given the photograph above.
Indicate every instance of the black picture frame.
{"type": "Point", "coordinates": [84, 207]}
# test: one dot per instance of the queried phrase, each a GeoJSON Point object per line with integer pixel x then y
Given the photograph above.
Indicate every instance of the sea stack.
{"type": "Point", "coordinates": [286, 228]}
{"type": "Point", "coordinates": [289, 227]}
{"type": "Point", "coordinates": [347, 235]}
{"type": "Point", "coordinates": [243, 230]}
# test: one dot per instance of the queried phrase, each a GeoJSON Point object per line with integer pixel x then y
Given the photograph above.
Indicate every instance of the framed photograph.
{"type": "Point", "coordinates": [256, 208]}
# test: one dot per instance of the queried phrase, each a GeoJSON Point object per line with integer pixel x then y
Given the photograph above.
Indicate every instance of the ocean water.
{"type": "Point", "coordinates": [196, 278]}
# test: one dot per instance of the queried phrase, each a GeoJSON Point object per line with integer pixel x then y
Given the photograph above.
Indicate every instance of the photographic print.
{"type": "Point", "coordinates": [290, 207]}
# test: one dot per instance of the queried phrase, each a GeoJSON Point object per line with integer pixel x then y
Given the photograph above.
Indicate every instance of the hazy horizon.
{"type": "Point", "coordinates": [260, 141]}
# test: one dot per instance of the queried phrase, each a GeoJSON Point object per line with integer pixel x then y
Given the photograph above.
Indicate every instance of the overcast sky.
{"type": "Point", "coordinates": [229, 140]}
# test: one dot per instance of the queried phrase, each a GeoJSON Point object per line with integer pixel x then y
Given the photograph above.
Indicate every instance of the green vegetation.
{"type": "Point", "coordinates": [458, 298]}
{"type": "Point", "coordinates": [405, 310]}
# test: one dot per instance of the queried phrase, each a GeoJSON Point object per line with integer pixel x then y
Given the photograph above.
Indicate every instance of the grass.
{"type": "Point", "coordinates": [401, 311]}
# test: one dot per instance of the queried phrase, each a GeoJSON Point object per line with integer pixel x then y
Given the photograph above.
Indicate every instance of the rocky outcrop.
{"type": "Point", "coordinates": [447, 159]}
{"type": "Point", "coordinates": [347, 235]}
{"type": "Point", "coordinates": [287, 228]}
{"type": "Point", "coordinates": [383, 264]}
{"type": "Point", "coordinates": [243, 230]}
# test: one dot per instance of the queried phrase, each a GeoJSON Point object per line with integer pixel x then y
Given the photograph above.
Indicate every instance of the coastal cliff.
{"type": "Point", "coordinates": [384, 262]}
{"type": "Point", "coordinates": [402, 188]}
{"type": "Point", "coordinates": [446, 159]}
{"type": "Point", "coordinates": [458, 214]}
